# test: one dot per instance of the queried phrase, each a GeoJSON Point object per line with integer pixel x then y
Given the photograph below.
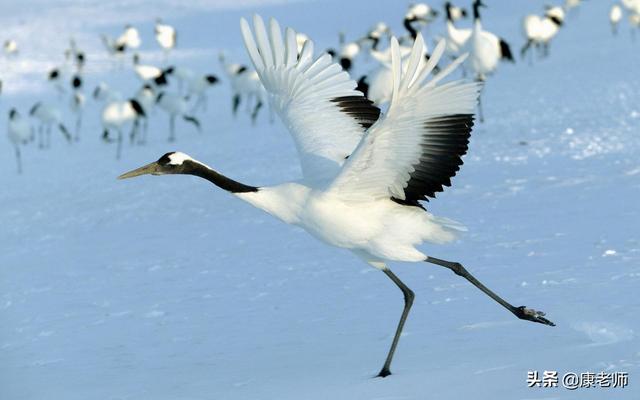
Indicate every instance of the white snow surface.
{"type": "Point", "coordinates": [169, 288]}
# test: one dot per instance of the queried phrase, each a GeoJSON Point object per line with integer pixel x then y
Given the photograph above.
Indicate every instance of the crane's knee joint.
{"type": "Point", "coordinates": [458, 269]}
{"type": "Point", "coordinates": [409, 296]}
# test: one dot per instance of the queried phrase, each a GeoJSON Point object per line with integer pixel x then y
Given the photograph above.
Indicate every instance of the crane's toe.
{"type": "Point", "coordinates": [384, 372]}
{"type": "Point", "coordinates": [532, 315]}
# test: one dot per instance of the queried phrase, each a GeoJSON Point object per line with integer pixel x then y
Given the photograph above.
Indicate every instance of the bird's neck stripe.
{"type": "Point", "coordinates": [218, 179]}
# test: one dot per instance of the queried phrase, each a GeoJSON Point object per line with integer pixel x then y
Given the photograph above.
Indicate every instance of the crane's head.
{"type": "Point", "coordinates": [170, 163]}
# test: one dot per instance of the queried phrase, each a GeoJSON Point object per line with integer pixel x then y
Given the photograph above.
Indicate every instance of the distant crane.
{"type": "Point", "coordinates": [175, 105]}
{"type": "Point", "coordinates": [48, 115]}
{"type": "Point", "coordinates": [364, 175]}
{"type": "Point", "coordinates": [485, 51]}
{"type": "Point", "coordinates": [165, 36]}
{"type": "Point", "coordinates": [540, 30]}
{"type": "Point", "coordinates": [20, 133]}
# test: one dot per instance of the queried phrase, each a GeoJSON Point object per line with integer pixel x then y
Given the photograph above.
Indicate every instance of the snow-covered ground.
{"type": "Point", "coordinates": [167, 288]}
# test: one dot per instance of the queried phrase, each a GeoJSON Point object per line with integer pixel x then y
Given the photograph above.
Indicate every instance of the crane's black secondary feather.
{"type": "Point", "coordinates": [360, 108]}
{"type": "Point", "coordinates": [505, 51]}
{"type": "Point", "coordinates": [444, 142]}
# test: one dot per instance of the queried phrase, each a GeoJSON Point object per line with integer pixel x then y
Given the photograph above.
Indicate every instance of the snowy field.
{"type": "Point", "coordinates": [168, 288]}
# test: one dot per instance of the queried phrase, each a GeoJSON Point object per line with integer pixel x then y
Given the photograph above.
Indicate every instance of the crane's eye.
{"type": "Point", "coordinates": [165, 159]}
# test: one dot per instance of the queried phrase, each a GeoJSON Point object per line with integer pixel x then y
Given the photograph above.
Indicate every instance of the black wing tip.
{"type": "Point", "coordinates": [505, 51]}
{"type": "Point", "coordinates": [360, 108]}
{"type": "Point", "coordinates": [441, 157]}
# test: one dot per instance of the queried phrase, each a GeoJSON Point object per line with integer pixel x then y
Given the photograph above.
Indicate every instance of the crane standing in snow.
{"type": "Point", "coordinates": [364, 176]}
{"type": "Point", "coordinates": [485, 51]}
{"type": "Point", "coordinates": [20, 133]}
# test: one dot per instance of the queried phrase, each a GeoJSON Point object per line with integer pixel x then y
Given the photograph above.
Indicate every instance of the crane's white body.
{"type": "Point", "coordinates": [245, 82]}
{"type": "Point", "coordinates": [484, 51]}
{"type": "Point", "coordinates": [19, 130]}
{"type": "Point", "coordinates": [633, 6]}
{"type": "Point", "coordinates": [173, 103]}
{"type": "Point", "coordinates": [165, 36]}
{"type": "Point", "coordinates": [117, 114]}
{"type": "Point", "coordinates": [456, 39]}
{"type": "Point", "coordinates": [130, 38]}
{"type": "Point", "coordinates": [147, 73]}
{"type": "Point", "coordinates": [47, 113]}
{"type": "Point", "coordinates": [10, 47]}
{"type": "Point", "coordinates": [541, 29]}
{"type": "Point", "coordinates": [456, 13]}
{"type": "Point", "coordinates": [147, 98]}
{"type": "Point", "coordinates": [347, 202]}
{"type": "Point", "coordinates": [376, 231]}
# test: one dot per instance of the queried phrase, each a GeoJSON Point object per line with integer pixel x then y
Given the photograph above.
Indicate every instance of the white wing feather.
{"type": "Point", "coordinates": [425, 124]}
{"type": "Point", "coordinates": [303, 91]}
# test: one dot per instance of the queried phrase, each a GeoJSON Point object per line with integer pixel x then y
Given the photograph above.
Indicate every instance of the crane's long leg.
{"type": "Point", "coordinates": [19, 159]}
{"type": "Point", "coordinates": [172, 128]}
{"type": "Point", "coordinates": [408, 301]}
{"type": "Point", "coordinates": [78, 126]}
{"type": "Point", "coordinates": [119, 144]}
{"type": "Point", "coordinates": [521, 312]}
{"type": "Point", "coordinates": [235, 104]}
{"type": "Point", "coordinates": [41, 137]}
{"type": "Point", "coordinates": [254, 114]}
{"type": "Point", "coordinates": [480, 112]}
{"type": "Point", "coordinates": [48, 136]}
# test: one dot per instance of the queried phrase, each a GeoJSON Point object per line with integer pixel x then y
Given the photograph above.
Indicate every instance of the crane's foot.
{"type": "Point", "coordinates": [532, 315]}
{"type": "Point", "coordinates": [384, 372]}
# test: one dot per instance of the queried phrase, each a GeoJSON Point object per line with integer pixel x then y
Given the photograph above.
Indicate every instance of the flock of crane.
{"type": "Point", "coordinates": [372, 150]}
{"type": "Point", "coordinates": [120, 113]}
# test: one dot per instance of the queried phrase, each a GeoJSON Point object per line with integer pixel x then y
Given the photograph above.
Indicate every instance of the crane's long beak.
{"type": "Point", "coordinates": [151, 168]}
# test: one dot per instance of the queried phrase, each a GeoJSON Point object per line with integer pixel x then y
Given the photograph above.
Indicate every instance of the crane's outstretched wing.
{"type": "Point", "coordinates": [315, 98]}
{"type": "Point", "coordinates": [416, 148]}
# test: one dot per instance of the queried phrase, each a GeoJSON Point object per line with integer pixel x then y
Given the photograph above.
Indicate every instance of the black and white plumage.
{"type": "Point", "coordinates": [146, 98]}
{"type": "Point", "coordinates": [375, 37]}
{"type": "Point", "coordinates": [113, 47]}
{"type": "Point", "coordinates": [363, 173]}
{"type": "Point", "coordinates": [540, 30]}
{"type": "Point", "coordinates": [151, 74]}
{"type": "Point", "coordinates": [456, 37]}
{"type": "Point", "coordinates": [485, 49]}
{"type": "Point", "coordinates": [116, 116]}
{"type": "Point", "coordinates": [129, 39]}
{"type": "Point", "coordinates": [175, 105]}
{"type": "Point", "coordinates": [197, 87]}
{"type": "Point", "coordinates": [48, 115]}
{"type": "Point", "coordinates": [245, 86]}
{"type": "Point", "coordinates": [417, 17]}
{"type": "Point", "coordinates": [58, 77]}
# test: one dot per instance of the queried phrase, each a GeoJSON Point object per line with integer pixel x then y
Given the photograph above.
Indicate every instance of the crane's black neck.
{"type": "Point", "coordinates": [193, 168]}
{"type": "Point", "coordinates": [476, 10]}
{"type": "Point", "coordinates": [375, 41]}
{"type": "Point", "coordinates": [447, 7]}
{"type": "Point", "coordinates": [555, 20]}
{"type": "Point", "coordinates": [407, 24]}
